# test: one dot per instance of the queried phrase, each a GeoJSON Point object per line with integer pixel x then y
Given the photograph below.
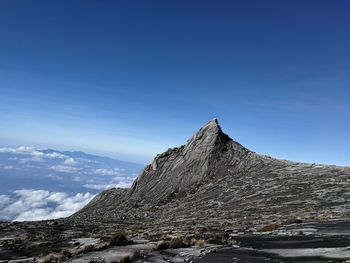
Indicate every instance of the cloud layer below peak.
{"type": "Point", "coordinates": [45, 184]}
{"type": "Point", "coordinates": [32, 204]}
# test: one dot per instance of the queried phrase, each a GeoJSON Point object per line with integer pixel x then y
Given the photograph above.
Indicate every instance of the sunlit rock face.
{"type": "Point", "coordinates": [180, 169]}
{"type": "Point", "coordinates": [214, 181]}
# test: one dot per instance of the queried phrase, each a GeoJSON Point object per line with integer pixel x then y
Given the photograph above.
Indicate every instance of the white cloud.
{"type": "Point", "coordinates": [107, 186]}
{"type": "Point", "coordinates": [32, 153]}
{"type": "Point", "coordinates": [56, 155]}
{"type": "Point", "coordinates": [123, 185]}
{"type": "Point", "coordinates": [76, 178]}
{"type": "Point", "coordinates": [23, 150]}
{"type": "Point", "coordinates": [4, 200]}
{"type": "Point", "coordinates": [34, 215]}
{"type": "Point", "coordinates": [56, 197]}
{"type": "Point", "coordinates": [71, 204]}
{"type": "Point", "coordinates": [32, 166]}
{"type": "Point", "coordinates": [65, 169]}
{"type": "Point", "coordinates": [30, 205]}
{"type": "Point", "coordinates": [99, 186]}
{"type": "Point", "coordinates": [121, 178]}
{"type": "Point", "coordinates": [108, 172]}
{"type": "Point", "coordinates": [54, 177]}
{"type": "Point", "coordinates": [35, 155]}
{"type": "Point", "coordinates": [32, 159]}
{"type": "Point", "coordinates": [70, 161]}
{"type": "Point", "coordinates": [20, 150]}
{"type": "Point", "coordinates": [8, 167]}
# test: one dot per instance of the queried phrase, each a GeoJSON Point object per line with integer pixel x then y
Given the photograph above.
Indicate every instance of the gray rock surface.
{"type": "Point", "coordinates": [215, 182]}
{"type": "Point", "coordinates": [212, 188]}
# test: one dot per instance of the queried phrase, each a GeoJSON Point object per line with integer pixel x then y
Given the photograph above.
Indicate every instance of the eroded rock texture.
{"type": "Point", "coordinates": [215, 182]}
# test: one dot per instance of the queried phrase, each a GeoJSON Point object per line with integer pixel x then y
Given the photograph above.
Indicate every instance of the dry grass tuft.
{"type": "Point", "coordinates": [50, 258]}
{"type": "Point", "coordinates": [173, 242]}
{"type": "Point", "coordinates": [268, 228]}
{"type": "Point", "coordinates": [231, 242]}
{"type": "Point", "coordinates": [197, 242]}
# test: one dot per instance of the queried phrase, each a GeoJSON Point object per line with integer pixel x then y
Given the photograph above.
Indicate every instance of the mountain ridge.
{"type": "Point", "coordinates": [211, 188]}
{"type": "Point", "coordinates": [213, 180]}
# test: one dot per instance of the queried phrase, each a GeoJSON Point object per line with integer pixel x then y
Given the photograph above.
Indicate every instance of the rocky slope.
{"type": "Point", "coordinates": [214, 189]}
{"type": "Point", "coordinates": [216, 183]}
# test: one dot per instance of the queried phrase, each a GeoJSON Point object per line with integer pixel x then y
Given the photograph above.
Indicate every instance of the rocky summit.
{"type": "Point", "coordinates": [214, 182]}
{"type": "Point", "coordinates": [211, 193]}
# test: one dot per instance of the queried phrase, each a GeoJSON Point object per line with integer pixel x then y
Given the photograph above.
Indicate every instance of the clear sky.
{"type": "Point", "coordinates": [129, 79]}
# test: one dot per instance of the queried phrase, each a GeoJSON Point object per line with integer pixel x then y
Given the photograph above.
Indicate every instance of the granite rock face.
{"type": "Point", "coordinates": [178, 170]}
{"type": "Point", "coordinates": [215, 182]}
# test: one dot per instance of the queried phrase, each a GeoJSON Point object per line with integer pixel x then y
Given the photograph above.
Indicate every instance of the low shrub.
{"type": "Point", "coordinates": [129, 233]}
{"type": "Point", "coordinates": [50, 258]}
{"type": "Point", "coordinates": [65, 254]}
{"type": "Point", "coordinates": [174, 243]}
{"type": "Point", "coordinates": [292, 220]}
{"type": "Point", "coordinates": [138, 255]}
{"type": "Point", "coordinates": [268, 228]}
{"type": "Point", "coordinates": [125, 259]}
{"type": "Point", "coordinates": [231, 242]}
{"type": "Point", "coordinates": [118, 239]}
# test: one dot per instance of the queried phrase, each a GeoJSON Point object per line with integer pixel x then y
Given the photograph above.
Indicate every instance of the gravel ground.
{"type": "Point", "coordinates": [329, 243]}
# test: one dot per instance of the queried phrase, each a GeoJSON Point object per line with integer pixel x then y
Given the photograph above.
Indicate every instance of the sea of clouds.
{"type": "Point", "coordinates": [45, 184]}
{"type": "Point", "coordinates": [30, 204]}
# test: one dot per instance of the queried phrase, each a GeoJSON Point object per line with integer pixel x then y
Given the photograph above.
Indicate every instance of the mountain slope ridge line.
{"type": "Point", "coordinates": [213, 180]}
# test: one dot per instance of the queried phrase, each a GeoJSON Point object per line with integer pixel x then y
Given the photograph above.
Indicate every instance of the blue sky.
{"type": "Point", "coordinates": [129, 79]}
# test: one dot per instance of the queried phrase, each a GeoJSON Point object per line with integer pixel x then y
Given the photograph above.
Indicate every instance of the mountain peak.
{"type": "Point", "coordinates": [181, 168]}
{"type": "Point", "coordinates": [207, 136]}
{"type": "Point", "coordinates": [214, 125]}
{"type": "Point", "coordinates": [213, 179]}
{"type": "Point", "coordinates": [214, 120]}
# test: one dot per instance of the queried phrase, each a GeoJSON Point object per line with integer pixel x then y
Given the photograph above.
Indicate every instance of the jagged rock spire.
{"type": "Point", "coordinates": [206, 134]}
{"type": "Point", "coordinates": [204, 140]}
{"type": "Point", "coordinates": [178, 169]}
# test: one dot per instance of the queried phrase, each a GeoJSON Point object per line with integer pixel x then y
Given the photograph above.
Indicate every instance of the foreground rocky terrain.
{"type": "Point", "coordinates": [211, 190]}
